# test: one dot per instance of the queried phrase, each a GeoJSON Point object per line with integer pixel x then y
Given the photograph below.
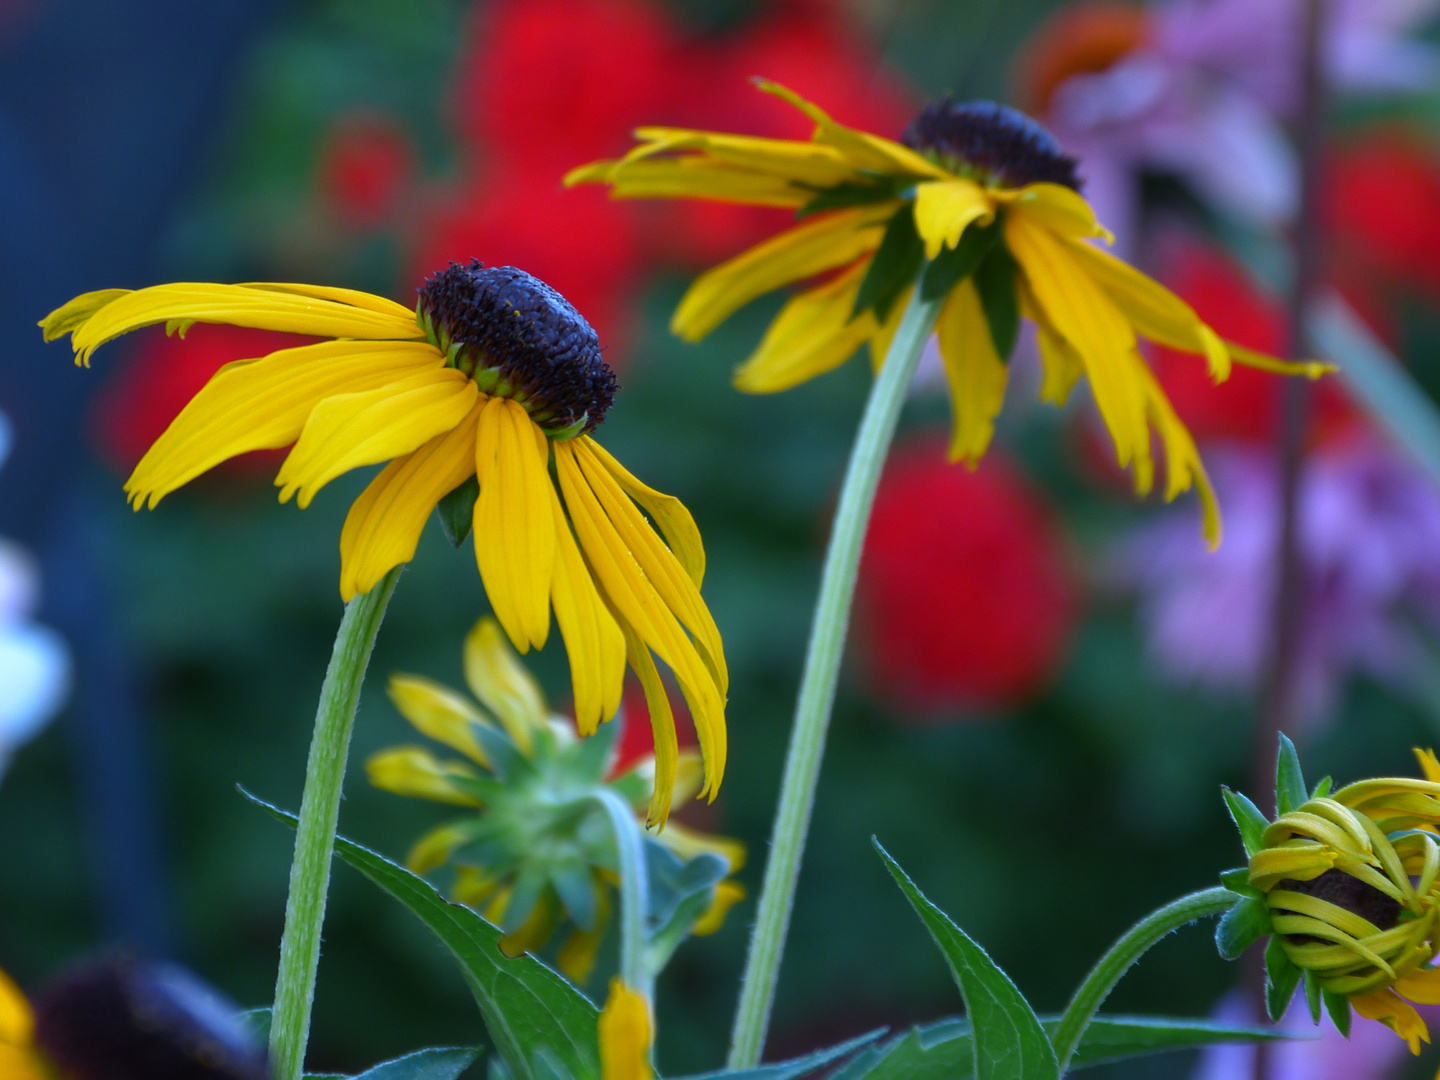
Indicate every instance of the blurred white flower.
{"type": "Point", "coordinates": [34, 662]}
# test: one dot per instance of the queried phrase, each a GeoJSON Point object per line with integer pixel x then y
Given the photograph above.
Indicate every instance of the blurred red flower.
{"type": "Point", "coordinates": [1247, 405]}
{"type": "Point", "coordinates": [964, 596]}
{"type": "Point", "coordinates": [550, 84]}
{"type": "Point", "coordinates": [161, 376]}
{"type": "Point", "coordinates": [1383, 216]}
{"type": "Point", "coordinates": [366, 164]}
{"type": "Point", "coordinates": [578, 241]}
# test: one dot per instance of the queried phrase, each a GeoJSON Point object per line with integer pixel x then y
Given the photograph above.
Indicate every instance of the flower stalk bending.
{"type": "Point", "coordinates": [319, 815]}
{"type": "Point", "coordinates": [817, 687]}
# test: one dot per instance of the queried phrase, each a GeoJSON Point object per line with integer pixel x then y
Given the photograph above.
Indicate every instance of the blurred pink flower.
{"type": "Point", "coordinates": [1369, 527]}
{"type": "Point", "coordinates": [1206, 94]}
{"type": "Point", "coordinates": [1371, 1053]}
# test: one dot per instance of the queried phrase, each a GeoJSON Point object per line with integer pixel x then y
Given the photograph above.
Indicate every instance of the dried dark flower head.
{"type": "Point", "coordinates": [995, 142]}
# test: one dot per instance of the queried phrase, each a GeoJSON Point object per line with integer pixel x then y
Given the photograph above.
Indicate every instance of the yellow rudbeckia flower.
{"type": "Point", "coordinates": [1351, 882]}
{"type": "Point", "coordinates": [976, 204]}
{"type": "Point", "coordinates": [492, 378]}
{"type": "Point", "coordinates": [524, 858]}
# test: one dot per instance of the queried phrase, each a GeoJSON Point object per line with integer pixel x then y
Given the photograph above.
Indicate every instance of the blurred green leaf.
{"type": "Point", "coordinates": [894, 265]}
{"type": "Point", "coordinates": [942, 1050]}
{"type": "Point", "coordinates": [1238, 881]}
{"type": "Point", "coordinates": [525, 1005]}
{"type": "Point", "coordinates": [1009, 1041]}
{"type": "Point", "coordinates": [788, 1070]}
{"type": "Point", "coordinates": [1281, 979]}
{"type": "Point", "coordinates": [953, 265]}
{"type": "Point", "coordinates": [1378, 381]}
{"type": "Point", "coordinates": [1338, 1006]}
{"type": "Point", "coordinates": [440, 1063]}
{"type": "Point", "coordinates": [995, 282]}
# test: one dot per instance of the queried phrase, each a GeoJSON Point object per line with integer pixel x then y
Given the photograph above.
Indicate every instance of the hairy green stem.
{"type": "Point", "coordinates": [634, 891]}
{"type": "Point", "coordinates": [817, 687]}
{"type": "Point", "coordinates": [315, 836]}
{"type": "Point", "coordinates": [1114, 964]}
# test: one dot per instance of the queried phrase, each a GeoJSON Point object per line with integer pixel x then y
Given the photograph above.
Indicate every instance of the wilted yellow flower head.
{"type": "Point", "coordinates": [1348, 886]}
{"type": "Point", "coordinates": [535, 855]}
{"type": "Point", "coordinates": [469, 399]}
{"type": "Point", "coordinates": [976, 205]}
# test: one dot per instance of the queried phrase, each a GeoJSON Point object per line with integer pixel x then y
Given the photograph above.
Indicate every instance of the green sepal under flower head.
{"type": "Point", "coordinates": [1347, 887]}
{"type": "Point", "coordinates": [535, 854]}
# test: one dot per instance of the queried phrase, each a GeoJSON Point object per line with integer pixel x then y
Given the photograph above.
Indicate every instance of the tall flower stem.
{"type": "Point", "coordinates": [1122, 955]}
{"type": "Point", "coordinates": [634, 891]}
{"type": "Point", "coordinates": [315, 836]}
{"type": "Point", "coordinates": [817, 686]}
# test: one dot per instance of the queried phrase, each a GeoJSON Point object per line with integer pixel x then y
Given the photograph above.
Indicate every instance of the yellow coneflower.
{"type": "Point", "coordinates": [976, 205]}
{"type": "Point", "coordinates": [1351, 882]}
{"type": "Point", "coordinates": [525, 858]}
{"type": "Point", "coordinates": [492, 377]}
{"type": "Point", "coordinates": [626, 1031]}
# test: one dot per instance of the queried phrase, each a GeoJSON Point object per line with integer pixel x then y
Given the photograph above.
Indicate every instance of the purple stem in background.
{"type": "Point", "coordinates": [1277, 701]}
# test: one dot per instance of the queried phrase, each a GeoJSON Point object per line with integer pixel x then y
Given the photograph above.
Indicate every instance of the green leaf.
{"type": "Point", "coordinates": [456, 511]}
{"type": "Point", "coordinates": [1322, 788]}
{"type": "Point", "coordinates": [954, 265]}
{"type": "Point", "coordinates": [1338, 1006]}
{"type": "Point", "coordinates": [525, 1005]}
{"type": "Point", "coordinates": [1240, 927]}
{"type": "Point", "coordinates": [1281, 978]}
{"type": "Point", "coordinates": [1238, 881]}
{"type": "Point", "coordinates": [445, 1063]}
{"type": "Point", "coordinates": [1312, 995]}
{"type": "Point", "coordinates": [894, 265]}
{"type": "Point", "coordinates": [1248, 819]}
{"type": "Point", "coordinates": [853, 193]}
{"type": "Point", "coordinates": [942, 1050]}
{"type": "Point", "coordinates": [995, 282]}
{"type": "Point", "coordinates": [788, 1070]}
{"type": "Point", "coordinates": [1009, 1041]}
{"type": "Point", "coordinates": [1289, 780]}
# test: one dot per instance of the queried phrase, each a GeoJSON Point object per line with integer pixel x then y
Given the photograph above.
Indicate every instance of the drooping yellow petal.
{"type": "Point", "coordinates": [813, 334]}
{"type": "Point", "coordinates": [637, 605]}
{"type": "Point", "coordinates": [514, 522]}
{"type": "Point", "coordinates": [944, 209]}
{"type": "Point", "coordinates": [1429, 764]}
{"type": "Point", "coordinates": [1060, 209]}
{"type": "Point", "coordinates": [263, 405]}
{"type": "Point", "coordinates": [1395, 1013]}
{"type": "Point", "coordinates": [677, 588]}
{"type": "Point", "coordinates": [17, 1019]}
{"type": "Point", "coordinates": [863, 150]}
{"type": "Point", "coordinates": [810, 248]}
{"type": "Point", "coordinates": [690, 178]}
{"type": "Point", "coordinates": [662, 723]}
{"type": "Point", "coordinates": [727, 895]}
{"type": "Point", "coordinates": [973, 370]}
{"type": "Point", "coordinates": [593, 640]}
{"type": "Point", "coordinates": [439, 713]}
{"type": "Point", "coordinates": [416, 773]}
{"type": "Point", "coordinates": [1303, 862]}
{"type": "Point", "coordinates": [1152, 309]}
{"type": "Point", "coordinates": [1182, 458]}
{"type": "Point", "coordinates": [384, 524]}
{"type": "Point", "coordinates": [804, 167]}
{"type": "Point", "coordinates": [76, 313]}
{"type": "Point", "coordinates": [354, 297]}
{"type": "Point", "coordinates": [346, 431]}
{"type": "Point", "coordinates": [1080, 312]}
{"type": "Point", "coordinates": [1311, 369]}
{"type": "Point", "coordinates": [675, 521]}
{"type": "Point", "coordinates": [625, 1034]}
{"type": "Point", "coordinates": [1421, 986]}
{"type": "Point", "coordinates": [503, 684]}
{"type": "Point", "coordinates": [237, 305]}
